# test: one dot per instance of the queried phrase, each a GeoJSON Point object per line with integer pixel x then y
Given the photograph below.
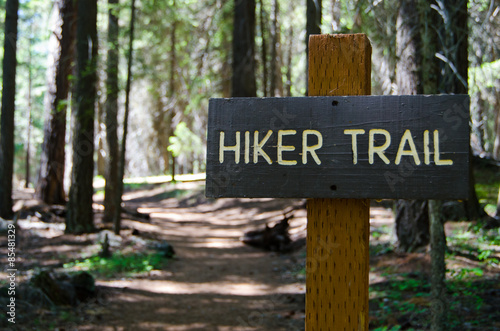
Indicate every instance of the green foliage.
{"type": "Point", "coordinates": [400, 295]}
{"type": "Point", "coordinates": [387, 328]}
{"type": "Point", "coordinates": [487, 192]}
{"type": "Point", "coordinates": [477, 244]}
{"type": "Point", "coordinates": [403, 300]}
{"type": "Point", "coordinates": [381, 249]}
{"type": "Point", "coordinates": [185, 141]}
{"type": "Point", "coordinates": [484, 76]}
{"type": "Point", "coordinates": [464, 273]}
{"type": "Point", "coordinates": [119, 264]}
{"type": "Point", "coordinates": [487, 184]}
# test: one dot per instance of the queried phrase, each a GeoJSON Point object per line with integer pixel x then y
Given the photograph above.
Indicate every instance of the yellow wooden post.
{"type": "Point", "coordinates": [338, 229]}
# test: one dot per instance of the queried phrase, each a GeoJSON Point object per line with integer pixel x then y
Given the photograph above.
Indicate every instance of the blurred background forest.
{"type": "Point", "coordinates": [82, 78]}
{"type": "Point", "coordinates": [183, 57]}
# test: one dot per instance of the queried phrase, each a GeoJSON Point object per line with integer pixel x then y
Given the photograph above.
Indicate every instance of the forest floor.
{"type": "Point", "coordinates": [215, 282]}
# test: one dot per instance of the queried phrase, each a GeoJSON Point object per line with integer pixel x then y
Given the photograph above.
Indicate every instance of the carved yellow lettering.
{"type": "Point", "coordinates": [354, 133]}
{"type": "Point", "coordinates": [427, 158]}
{"type": "Point", "coordinates": [311, 149]}
{"type": "Point", "coordinates": [413, 150]}
{"type": "Point", "coordinates": [283, 148]}
{"type": "Point", "coordinates": [379, 150]}
{"type": "Point", "coordinates": [235, 148]}
{"type": "Point", "coordinates": [257, 147]}
{"type": "Point", "coordinates": [437, 159]}
{"type": "Point", "coordinates": [247, 147]}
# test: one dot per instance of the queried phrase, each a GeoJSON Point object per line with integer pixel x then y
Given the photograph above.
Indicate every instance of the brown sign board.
{"type": "Point", "coordinates": [381, 147]}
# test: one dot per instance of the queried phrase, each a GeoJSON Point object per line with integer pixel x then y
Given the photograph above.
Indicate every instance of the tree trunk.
{"type": "Point", "coordinates": [276, 76]}
{"type": "Point", "coordinates": [496, 145]}
{"type": "Point", "coordinates": [288, 84]}
{"type": "Point", "coordinates": [263, 48]}
{"type": "Point", "coordinates": [162, 127]}
{"type": "Point", "coordinates": [472, 207]}
{"type": "Point", "coordinates": [80, 213]}
{"type": "Point", "coordinates": [438, 267]}
{"type": "Point", "coordinates": [101, 136]}
{"type": "Point", "coordinates": [112, 115]}
{"type": "Point", "coordinates": [453, 79]}
{"type": "Point", "coordinates": [243, 82]}
{"type": "Point", "coordinates": [8, 108]}
{"type": "Point", "coordinates": [412, 217]}
{"type": "Point", "coordinates": [172, 86]}
{"type": "Point", "coordinates": [225, 71]}
{"type": "Point", "coordinates": [453, 32]}
{"type": "Point", "coordinates": [28, 130]}
{"type": "Point", "coordinates": [313, 26]}
{"type": "Point", "coordinates": [121, 165]}
{"type": "Point", "coordinates": [50, 186]}
{"type": "Point", "coordinates": [479, 126]}
{"type": "Point", "coordinates": [412, 224]}
{"type": "Point", "coordinates": [336, 13]}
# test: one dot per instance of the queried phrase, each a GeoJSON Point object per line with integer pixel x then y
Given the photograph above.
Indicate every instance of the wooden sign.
{"type": "Point", "coordinates": [395, 147]}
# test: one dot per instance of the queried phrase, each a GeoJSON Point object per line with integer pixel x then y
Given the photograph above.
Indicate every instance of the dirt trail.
{"type": "Point", "coordinates": [216, 282]}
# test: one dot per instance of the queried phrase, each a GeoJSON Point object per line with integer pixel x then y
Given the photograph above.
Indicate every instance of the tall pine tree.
{"type": "Point", "coordinates": [415, 74]}
{"type": "Point", "coordinates": [111, 189]}
{"type": "Point", "coordinates": [80, 214]}
{"type": "Point", "coordinates": [313, 26]}
{"type": "Point", "coordinates": [50, 186]}
{"type": "Point", "coordinates": [8, 108]}
{"type": "Point", "coordinates": [243, 81]}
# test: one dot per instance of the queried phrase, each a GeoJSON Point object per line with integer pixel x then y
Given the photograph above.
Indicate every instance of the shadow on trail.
{"type": "Point", "coordinates": [207, 311]}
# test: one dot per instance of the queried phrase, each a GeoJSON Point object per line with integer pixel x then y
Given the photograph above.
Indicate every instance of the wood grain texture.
{"type": "Point", "coordinates": [339, 65]}
{"type": "Point", "coordinates": [337, 264]}
{"type": "Point", "coordinates": [338, 229]}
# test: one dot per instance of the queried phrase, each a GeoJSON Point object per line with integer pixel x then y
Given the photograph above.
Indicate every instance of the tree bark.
{"type": "Point", "coordinates": [8, 108]}
{"type": "Point", "coordinates": [453, 34]}
{"type": "Point", "coordinates": [264, 47]}
{"type": "Point", "coordinates": [162, 127]}
{"type": "Point", "coordinates": [112, 115]}
{"type": "Point", "coordinates": [288, 83]}
{"type": "Point", "coordinates": [276, 76]}
{"type": "Point", "coordinates": [313, 26]}
{"type": "Point", "coordinates": [412, 224]}
{"type": "Point", "coordinates": [472, 207]}
{"type": "Point", "coordinates": [172, 87]}
{"type": "Point", "coordinates": [243, 82]}
{"type": "Point", "coordinates": [80, 213]}
{"type": "Point", "coordinates": [412, 217]}
{"type": "Point", "coordinates": [454, 63]}
{"type": "Point", "coordinates": [50, 185]}
{"type": "Point", "coordinates": [438, 267]}
{"type": "Point", "coordinates": [225, 71]}
{"type": "Point", "coordinates": [28, 130]}
{"type": "Point", "coordinates": [121, 164]}
{"type": "Point", "coordinates": [101, 136]}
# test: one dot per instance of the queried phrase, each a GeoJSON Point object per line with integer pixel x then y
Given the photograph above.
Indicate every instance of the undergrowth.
{"type": "Point", "coordinates": [119, 264]}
